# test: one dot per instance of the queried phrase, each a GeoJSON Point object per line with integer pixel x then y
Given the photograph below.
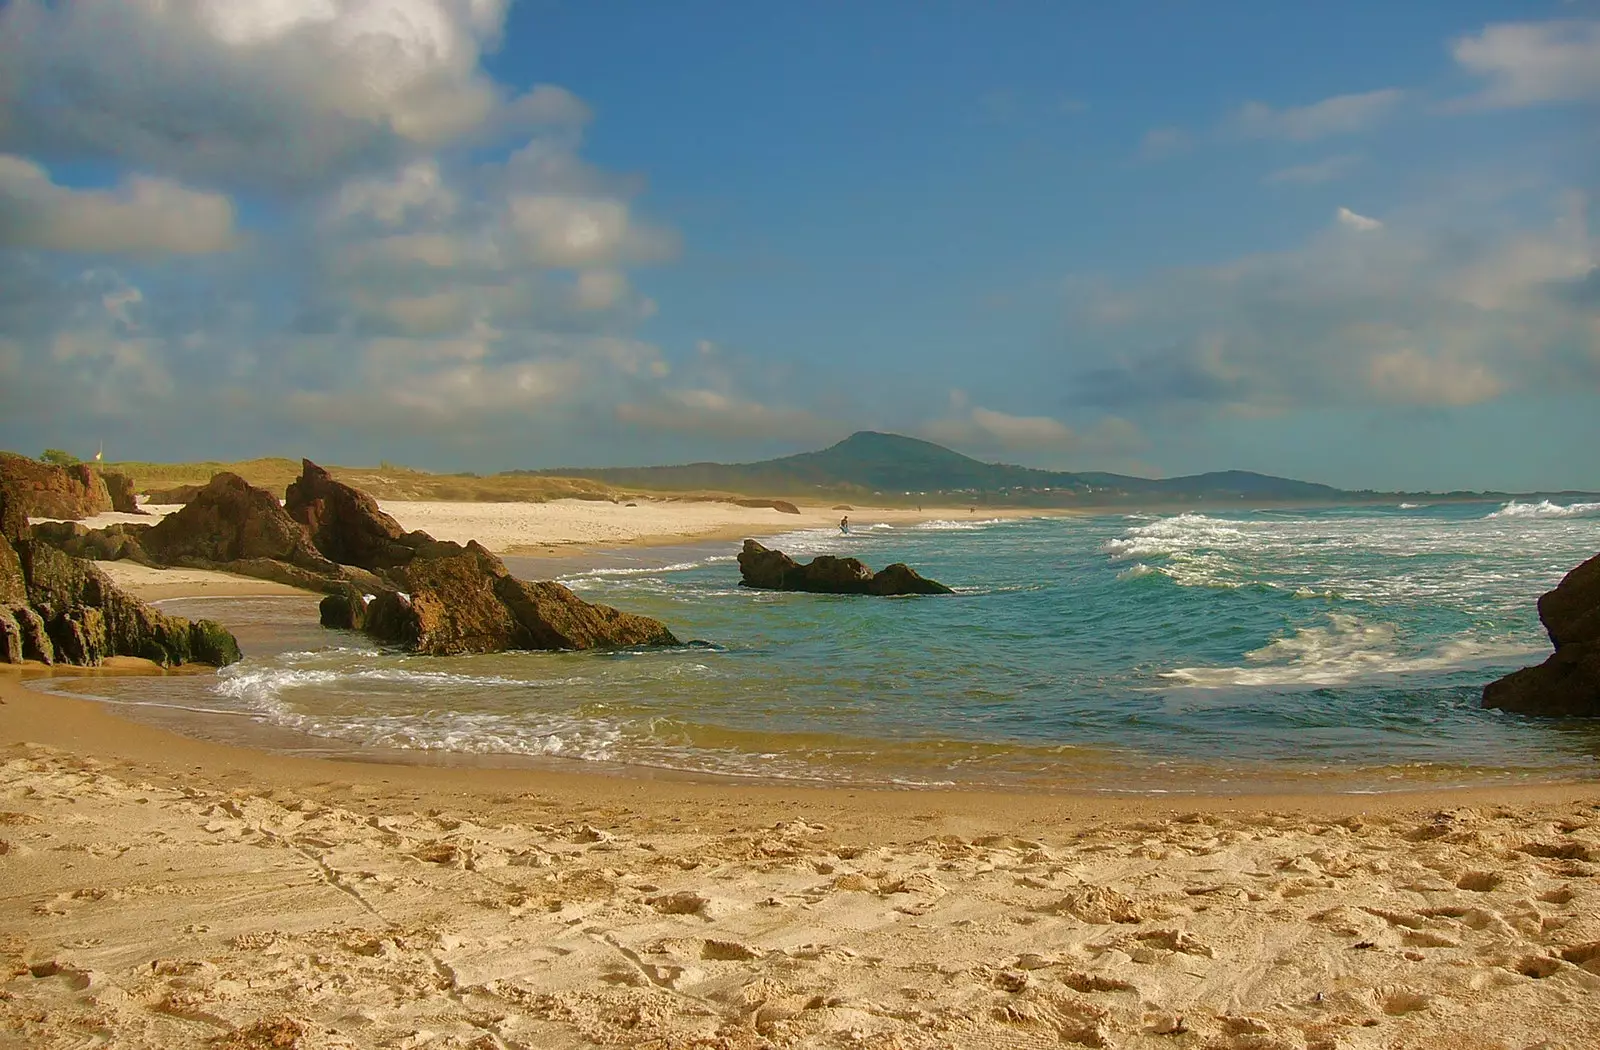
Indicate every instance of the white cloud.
{"type": "Point", "coordinates": [1361, 223]}
{"type": "Point", "coordinates": [1428, 313]}
{"type": "Point", "coordinates": [1525, 63]}
{"type": "Point", "coordinates": [142, 215]}
{"type": "Point", "coordinates": [265, 91]}
{"type": "Point", "coordinates": [978, 429]}
{"type": "Point", "coordinates": [1315, 173]}
{"type": "Point", "coordinates": [1409, 377]}
{"type": "Point", "coordinates": [1339, 115]}
{"type": "Point", "coordinates": [715, 413]}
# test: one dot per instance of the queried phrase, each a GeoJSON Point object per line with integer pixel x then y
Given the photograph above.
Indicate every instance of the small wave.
{"type": "Point", "coordinates": [682, 566]}
{"type": "Point", "coordinates": [1545, 509]}
{"type": "Point", "coordinates": [881, 527]}
{"type": "Point", "coordinates": [1410, 506]}
{"type": "Point", "coordinates": [1137, 571]}
{"type": "Point", "coordinates": [265, 684]}
{"type": "Point", "coordinates": [949, 525]}
{"type": "Point", "coordinates": [1344, 650]}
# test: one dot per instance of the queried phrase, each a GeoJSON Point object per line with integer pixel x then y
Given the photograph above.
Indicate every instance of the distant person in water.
{"type": "Point", "coordinates": [844, 524]}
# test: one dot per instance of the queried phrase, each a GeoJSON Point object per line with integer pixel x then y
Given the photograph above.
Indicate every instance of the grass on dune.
{"type": "Point", "coordinates": [383, 482]}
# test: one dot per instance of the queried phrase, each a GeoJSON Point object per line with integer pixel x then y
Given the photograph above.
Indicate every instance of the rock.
{"type": "Point", "coordinates": [1571, 612]}
{"type": "Point", "coordinates": [774, 570]}
{"type": "Point", "coordinates": [13, 519]}
{"type": "Point", "coordinates": [901, 578]}
{"type": "Point", "coordinates": [175, 496]}
{"type": "Point", "coordinates": [36, 644]}
{"type": "Point", "coordinates": [463, 600]}
{"type": "Point", "coordinates": [231, 520]}
{"type": "Point", "coordinates": [112, 543]}
{"type": "Point", "coordinates": [345, 610]}
{"type": "Point", "coordinates": [120, 488]}
{"type": "Point", "coordinates": [13, 585]}
{"type": "Point", "coordinates": [79, 616]}
{"type": "Point", "coordinates": [10, 638]}
{"type": "Point", "coordinates": [344, 523]}
{"type": "Point", "coordinates": [1568, 683]}
{"type": "Point", "coordinates": [783, 506]}
{"type": "Point", "coordinates": [46, 491]}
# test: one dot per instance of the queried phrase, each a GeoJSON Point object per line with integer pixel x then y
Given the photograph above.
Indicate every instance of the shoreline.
{"type": "Point", "coordinates": [163, 892]}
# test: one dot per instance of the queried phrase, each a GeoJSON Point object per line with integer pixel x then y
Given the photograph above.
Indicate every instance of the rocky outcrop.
{"type": "Point", "coordinates": [1568, 683]}
{"type": "Point", "coordinates": [120, 488]}
{"type": "Point", "coordinates": [175, 496]}
{"type": "Point", "coordinates": [437, 597]}
{"type": "Point", "coordinates": [776, 571]}
{"type": "Point", "coordinates": [55, 608]}
{"type": "Point", "coordinates": [344, 523]}
{"type": "Point", "coordinates": [227, 521]}
{"type": "Point", "coordinates": [46, 491]}
{"type": "Point", "coordinates": [403, 588]}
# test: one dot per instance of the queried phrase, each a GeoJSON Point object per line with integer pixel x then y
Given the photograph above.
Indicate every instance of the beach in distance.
{"type": "Point", "coordinates": [1303, 836]}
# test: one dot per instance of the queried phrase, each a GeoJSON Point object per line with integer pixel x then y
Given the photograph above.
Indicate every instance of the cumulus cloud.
{"type": "Point", "coordinates": [984, 430]}
{"type": "Point", "coordinates": [713, 413]}
{"type": "Point", "coordinates": [283, 92]}
{"type": "Point", "coordinates": [142, 215]}
{"type": "Point", "coordinates": [1339, 115]}
{"type": "Point", "coordinates": [1354, 221]}
{"type": "Point", "coordinates": [1423, 315]}
{"type": "Point", "coordinates": [1526, 63]}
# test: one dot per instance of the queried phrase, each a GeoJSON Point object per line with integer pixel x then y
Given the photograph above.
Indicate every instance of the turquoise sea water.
{"type": "Point", "coordinates": [1340, 649]}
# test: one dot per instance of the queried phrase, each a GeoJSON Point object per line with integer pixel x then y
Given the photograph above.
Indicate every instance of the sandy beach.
{"type": "Point", "coordinates": [565, 525]}
{"type": "Point", "coordinates": [158, 891]}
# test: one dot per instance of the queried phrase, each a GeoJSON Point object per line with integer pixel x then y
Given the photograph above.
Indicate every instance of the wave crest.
{"type": "Point", "coordinates": [1545, 509]}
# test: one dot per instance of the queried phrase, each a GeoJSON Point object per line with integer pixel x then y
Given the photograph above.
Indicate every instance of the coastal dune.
{"type": "Point", "coordinates": [165, 892]}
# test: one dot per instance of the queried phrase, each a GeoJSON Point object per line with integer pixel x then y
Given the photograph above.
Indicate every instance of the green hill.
{"type": "Point", "coordinates": [895, 466]}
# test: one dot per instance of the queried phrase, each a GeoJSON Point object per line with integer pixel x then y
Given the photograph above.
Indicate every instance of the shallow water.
{"type": "Point", "coordinates": [1341, 649]}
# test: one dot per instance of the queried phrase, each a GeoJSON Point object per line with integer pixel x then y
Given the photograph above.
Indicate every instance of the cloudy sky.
{"type": "Point", "coordinates": [1355, 243]}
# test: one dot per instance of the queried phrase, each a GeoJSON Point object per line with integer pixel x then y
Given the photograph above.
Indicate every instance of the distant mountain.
{"type": "Point", "coordinates": [896, 466]}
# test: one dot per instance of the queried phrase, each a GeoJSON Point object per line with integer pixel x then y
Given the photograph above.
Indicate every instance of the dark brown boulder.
{"type": "Point", "coordinates": [1568, 683]}
{"type": "Point", "coordinates": [10, 638]}
{"type": "Point", "coordinates": [120, 489]}
{"type": "Point", "coordinates": [13, 518]}
{"type": "Point", "coordinates": [227, 521]}
{"type": "Point", "coordinates": [344, 523]}
{"type": "Point", "coordinates": [774, 570]}
{"type": "Point", "coordinates": [175, 496]}
{"type": "Point", "coordinates": [463, 600]}
{"type": "Point", "coordinates": [901, 578]}
{"type": "Point", "coordinates": [1571, 612]}
{"type": "Point", "coordinates": [43, 490]}
{"type": "Point", "coordinates": [13, 584]}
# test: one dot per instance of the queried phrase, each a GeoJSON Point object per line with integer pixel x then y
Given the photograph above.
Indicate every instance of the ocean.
{"type": "Point", "coordinates": [1335, 649]}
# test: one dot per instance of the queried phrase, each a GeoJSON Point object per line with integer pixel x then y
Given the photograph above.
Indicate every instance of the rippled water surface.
{"type": "Point", "coordinates": [1338, 647]}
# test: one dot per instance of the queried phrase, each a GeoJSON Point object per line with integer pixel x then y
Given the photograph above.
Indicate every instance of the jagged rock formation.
{"type": "Point", "coordinates": [55, 608]}
{"type": "Point", "coordinates": [174, 496]}
{"type": "Point", "coordinates": [120, 488]}
{"type": "Point", "coordinates": [1568, 683]}
{"type": "Point", "coordinates": [439, 597]}
{"type": "Point", "coordinates": [404, 588]}
{"type": "Point", "coordinates": [46, 491]}
{"type": "Point", "coordinates": [775, 570]}
{"type": "Point", "coordinates": [345, 523]}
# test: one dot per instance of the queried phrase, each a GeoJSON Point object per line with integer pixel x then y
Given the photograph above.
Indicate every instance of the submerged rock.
{"type": "Point", "coordinates": [774, 570]}
{"type": "Point", "coordinates": [1568, 683]}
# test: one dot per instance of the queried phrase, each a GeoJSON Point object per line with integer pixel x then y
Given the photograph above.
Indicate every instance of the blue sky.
{"type": "Point", "coordinates": [1353, 243]}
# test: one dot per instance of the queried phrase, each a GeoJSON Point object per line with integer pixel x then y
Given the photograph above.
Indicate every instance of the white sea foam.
{"type": "Point", "coordinates": [1345, 650]}
{"type": "Point", "coordinates": [1545, 509]}
{"type": "Point", "coordinates": [949, 525]}
{"type": "Point", "coordinates": [1137, 570]}
{"type": "Point", "coordinates": [1410, 506]}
